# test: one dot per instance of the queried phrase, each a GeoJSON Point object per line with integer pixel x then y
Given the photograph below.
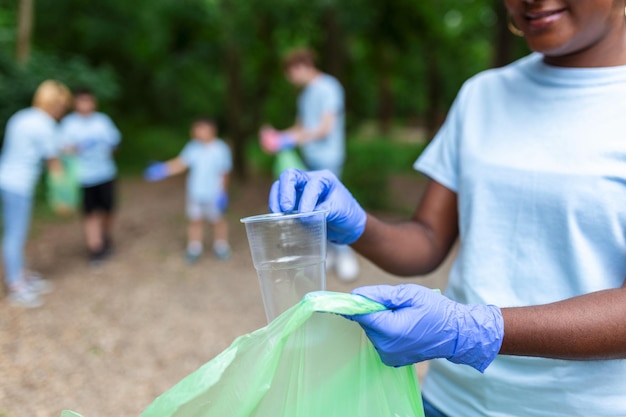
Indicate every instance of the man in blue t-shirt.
{"type": "Point", "coordinates": [93, 137]}
{"type": "Point", "coordinates": [319, 132]}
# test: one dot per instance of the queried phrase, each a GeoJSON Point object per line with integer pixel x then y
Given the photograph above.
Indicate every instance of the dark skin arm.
{"type": "Point", "coordinates": [588, 327]}
{"type": "Point", "coordinates": [418, 246]}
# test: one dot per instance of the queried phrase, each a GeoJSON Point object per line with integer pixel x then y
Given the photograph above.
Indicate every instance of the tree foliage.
{"type": "Point", "coordinates": [166, 61]}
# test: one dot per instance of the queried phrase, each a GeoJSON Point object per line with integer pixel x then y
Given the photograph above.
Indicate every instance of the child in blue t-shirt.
{"type": "Point", "coordinates": [209, 162]}
{"type": "Point", "coordinates": [93, 137]}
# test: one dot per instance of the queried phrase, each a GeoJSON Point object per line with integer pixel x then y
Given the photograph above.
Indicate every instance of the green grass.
{"type": "Point", "coordinates": [370, 164]}
{"type": "Point", "coordinates": [371, 161]}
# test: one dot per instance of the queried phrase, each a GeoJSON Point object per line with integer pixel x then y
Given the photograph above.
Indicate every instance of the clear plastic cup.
{"type": "Point", "coordinates": [289, 255]}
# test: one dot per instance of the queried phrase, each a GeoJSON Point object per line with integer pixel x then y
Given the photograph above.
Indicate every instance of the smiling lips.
{"type": "Point", "coordinates": [541, 19]}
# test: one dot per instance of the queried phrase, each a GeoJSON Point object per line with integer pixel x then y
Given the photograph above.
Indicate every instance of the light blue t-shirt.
{"type": "Point", "coordinates": [323, 95]}
{"type": "Point", "coordinates": [31, 136]}
{"type": "Point", "coordinates": [537, 157]}
{"type": "Point", "coordinates": [207, 163]}
{"type": "Point", "coordinates": [95, 137]}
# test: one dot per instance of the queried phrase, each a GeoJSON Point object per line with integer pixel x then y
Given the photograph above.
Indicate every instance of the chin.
{"type": "Point", "coordinates": [554, 45]}
{"type": "Point", "coordinates": [550, 50]}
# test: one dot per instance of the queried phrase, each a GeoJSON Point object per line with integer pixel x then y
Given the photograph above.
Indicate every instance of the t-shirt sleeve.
{"type": "Point", "coordinates": [50, 141]}
{"type": "Point", "coordinates": [331, 97]}
{"type": "Point", "coordinates": [66, 138]}
{"type": "Point", "coordinates": [186, 155]}
{"type": "Point", "coordinates": [227, 164]}
{"type": "Point", "coordinates": [113, 135]}
{"type": "Point", "coordinates": [440, 159]}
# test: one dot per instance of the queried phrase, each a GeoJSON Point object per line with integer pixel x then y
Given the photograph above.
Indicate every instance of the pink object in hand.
{"type": "Point", "coordinates": [270, 140]}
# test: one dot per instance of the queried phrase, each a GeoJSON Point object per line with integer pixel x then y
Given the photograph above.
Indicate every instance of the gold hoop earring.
{"type": "Point", "coordinates": [514, 29]}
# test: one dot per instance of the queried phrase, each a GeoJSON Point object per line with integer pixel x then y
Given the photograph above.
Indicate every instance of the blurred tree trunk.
{"type": "Point", "coordinates": [386, 99]}
{"type": "Point", "coordinates": [385, 104]}
{"type": "Point", "coordinates": [504, 42]}
{"type": "Point", "coordinates": [24, 29]}
{"type": "Point", "coordinates": [333, 46]}
{"type": "Point", "coordinates": [234, 108]}
{"type": "Point", "coordinates": [243, 112]}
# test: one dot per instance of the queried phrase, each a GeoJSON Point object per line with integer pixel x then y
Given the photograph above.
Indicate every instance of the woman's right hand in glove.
{"type": "Point", "coordinates": [303, 192]}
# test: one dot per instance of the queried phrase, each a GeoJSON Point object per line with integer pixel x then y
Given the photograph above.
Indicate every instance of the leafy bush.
{"type": "Point", "coordinates": [259, 162]}
{"type": "Point", "coordinates": [370, 165]}
{"type": "Point", "coordinates": [142, 144]}
{"type": "Point", "coordinates": [18, 83]}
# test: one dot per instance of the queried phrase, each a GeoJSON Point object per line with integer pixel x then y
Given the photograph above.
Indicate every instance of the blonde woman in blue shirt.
{"type": "Point", "coordinates": [31, 137]}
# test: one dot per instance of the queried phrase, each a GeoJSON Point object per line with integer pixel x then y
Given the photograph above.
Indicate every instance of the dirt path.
{"type": "Point", "coordinates": [108, 341]}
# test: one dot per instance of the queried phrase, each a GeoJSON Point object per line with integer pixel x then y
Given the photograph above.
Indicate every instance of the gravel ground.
{"type": "Point", "coordinates": [110, 340]}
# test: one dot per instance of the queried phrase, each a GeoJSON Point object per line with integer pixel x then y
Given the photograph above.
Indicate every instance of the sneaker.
{"type": "Point", "coordinates": [347, 267]}
{"type": "Point", "coordinates": [107, 246]}
{"type": "Point", "coordinates": [21, 295]}
{"type": "Point", "coordinates": [96, 258]}
{"type": "Point", "coordinates": [37, 284]}
{"type": "Point", "coordinates": [221, 251]}
{"type": "Point", "coordinates": [192, 257]}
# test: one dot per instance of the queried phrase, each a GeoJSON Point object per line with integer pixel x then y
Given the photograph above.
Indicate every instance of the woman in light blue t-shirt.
{"type": "Point", "coordinates": [528, 173]}
{"type": "Point", "coordinates": [31, 137]}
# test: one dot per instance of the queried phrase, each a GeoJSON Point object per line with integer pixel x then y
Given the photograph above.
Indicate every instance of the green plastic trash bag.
{"type": "Point", "coordinates": [63, 188]}
{"type": "Point", "coordinates": [303, 364]}
{"type": "Point", "coordinates": [286, 159]}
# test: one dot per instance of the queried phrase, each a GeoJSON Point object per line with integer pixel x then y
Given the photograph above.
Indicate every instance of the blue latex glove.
{"type": "Point", "coordinates": [273, 141]}
{"type": "Point", "coordinates": [156, 172]}
{"type": "Point", "coordinates": [301, 191]}
{"type": "Point", "coordinates": [222, 201]}
{"type": "Point", "coordinates": [286, 141]}
{"type": "Point", "coordinates": [421, 324]}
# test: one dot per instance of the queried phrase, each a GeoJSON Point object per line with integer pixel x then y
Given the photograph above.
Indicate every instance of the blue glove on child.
{"type": "Point", "coordinates": [222, 201]}
{"type": "Point", "coordinates": [156, 172]}
{"type": "Point", "coordinates": [421, 324]}
{"type": "Point", "coordinates": [301, 191]}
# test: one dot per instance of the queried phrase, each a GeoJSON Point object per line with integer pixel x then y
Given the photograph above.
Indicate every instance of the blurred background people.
{"type": "Point", "coordinates": [31, 136]}
{"type": "Point", "coordinates": [209, 161]}
{"type": "Point", "coordinates": [93, 137]}
{"type": "Point", "coordinates": [319, 132]}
